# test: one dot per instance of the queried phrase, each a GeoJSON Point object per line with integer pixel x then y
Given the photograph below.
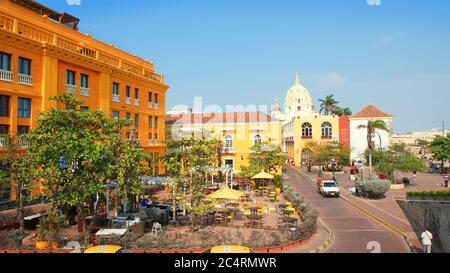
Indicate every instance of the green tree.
{"type": "Point", "coordinates": [372, 126]}
{"type": "Point", "coordinates": [396, 158]}
{"type": "Point", "coordinates": [328, 105]}
{"type": "Point", "coordinates": [77, 152]}
{"type": "Point", "coordinates": [263, 156]}
{"type": "Point", "coordinates": [343, 112]}
{"type": "Point", "coordinates": [17, 170]}
{"type": "Point", "coordinates": [440, 148]}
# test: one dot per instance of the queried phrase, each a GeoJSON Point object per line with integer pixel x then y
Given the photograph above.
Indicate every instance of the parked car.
{"type": "Point", "coordinates": [327, 187]}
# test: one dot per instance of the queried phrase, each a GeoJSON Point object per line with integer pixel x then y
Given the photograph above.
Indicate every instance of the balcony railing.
{"type": "Point", "coordinates": [25, 79]}
{"type": "Point", "coordinates": [150, 105]}
{"type": "Point", "coordinates": [136, 102]}
{"type": "Point", "coordinates": [84, 91]}
{"type": "Point", "coordinates": [5, 75]}
{"type": "Point", "coordinates": [86, 49]}
{"type": "Point", "coordinates": [228, 150]}
{"type": "Point", "coordinates": [156, 106]}
{"type": "Point", "coordinates": [116, 98]}
{"type": "Point", "coordinates": [22, 143]}
{"type": "Point", "coordinates": [127, 100]}
{"type": "Point", "coordinates": [71, 89]}
{"type": "Point", "coordinates": [150, 142]}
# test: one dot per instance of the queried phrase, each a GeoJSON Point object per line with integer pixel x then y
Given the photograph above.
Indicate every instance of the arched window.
{"type": "Point", "coordinates": [327, 130]}
{"type": "Point", "coordinates": [228, 143]}
{"type": "Point", "coordinates": [306, 130]}
{"type": "Point", "coordinates": [257, 139]}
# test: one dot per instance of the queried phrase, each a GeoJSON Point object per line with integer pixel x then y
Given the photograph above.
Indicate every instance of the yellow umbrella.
{"type": "Point", "coordinates": [230, 249]}
{"type": "Point", "coordinates": [263, 175]}
{"type": "Point", "coordinates": [226, 193]}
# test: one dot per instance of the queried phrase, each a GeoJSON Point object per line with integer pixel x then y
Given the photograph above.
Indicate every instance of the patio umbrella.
{"type": "Point", "coordinates": [226, 193]}
{"type": "Point", "coordinates": [263, 175]}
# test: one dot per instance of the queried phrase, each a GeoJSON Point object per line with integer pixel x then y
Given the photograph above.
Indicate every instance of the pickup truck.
{"type": "Point", "coordinates": [327, 187]}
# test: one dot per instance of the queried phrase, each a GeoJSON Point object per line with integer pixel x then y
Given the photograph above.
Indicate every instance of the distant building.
{"type": "Point", "coordinates": [238, 131]}
{"type": "Point", "coordinates": [412, 138]}
{"type": "Point", "coordinates": [358, 136]}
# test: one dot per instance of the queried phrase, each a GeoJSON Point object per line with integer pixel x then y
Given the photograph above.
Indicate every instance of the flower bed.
{"type": "Point", "coordinates": [373, 189]}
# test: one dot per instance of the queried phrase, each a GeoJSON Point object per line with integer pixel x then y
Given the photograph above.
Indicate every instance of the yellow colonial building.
{"type": "Point", "coordinates": [43, 54]}
{"type": "Point", "coordinates": [238, 131]}
{"type": "Point", "coordinates": [302, 123]}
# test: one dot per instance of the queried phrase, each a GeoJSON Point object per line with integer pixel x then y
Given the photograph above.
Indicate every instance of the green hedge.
{"type": "Point", "coordinates": [373, 189]}
{"type": "Point", "coordinates": [441, 193]}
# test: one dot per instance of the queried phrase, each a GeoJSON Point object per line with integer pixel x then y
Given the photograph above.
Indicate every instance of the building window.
{"type": "Point", "coordinates": [155, 160]}
{"type": "Point", "coordinates": [128, 116]}
{"type": "Point", "coordinates": [115, 114]}
{"type": "Point", "coordinates": [150, 97]}
{"type": "Point", "coordinates": [5, 61]}
{"type": "Point", "coordinates": [257, 139]}
{"type": "Point", "coordinates": [127, 135]}
{"type": "Point", "coordinates": [150, 122]}
{"type": "Point", "coordinates": [136, 93]}
{"type": "Point", "coordinates": [4, 106]}
{"type": "Point", "coordinates": [229, 163]}
{"type": "Point", "coordinates": [24, 108]}
{"type": "Point", "coordinates": [155, 138]}
{"type": "Point", "coordinates": [70, 77]}
{"type": "Point", "coordinates": [156, 122]}
{"type": "Point", "coordinates": [327, 130]}
{"type": "Point", "coordinates": [70, 107]}
{"type": "Point", "coordinates": [136, 120]}
{"type": "Point", "coordinates": [228, 143]}
{"type": "Point", "coordinates": [127, 92]}
{"type": "Point", "coordinates": [4, 129]}
{"type": "Point", "coordinates": [156, 98]}
{"type": "Point", "coordinates": [24, 66]}
{"type": "Point", "coordinates": [84, 81]}
{"type": "Point", "coordinates": [306, 130]}
{"type": "Point", "coordinates": [22, 130]}
{"type": "Point", "coordinates": [115, 88]}
{"type": "Point", "coordinates": [84, 108]}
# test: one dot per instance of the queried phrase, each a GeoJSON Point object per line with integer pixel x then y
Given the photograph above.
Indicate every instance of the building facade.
{"type": "Point", "coordinates": [358, 135]}
{"type": "Point", "coordinates": [238, 131]}
{"type": "Point", "coordinates": [42, 54]}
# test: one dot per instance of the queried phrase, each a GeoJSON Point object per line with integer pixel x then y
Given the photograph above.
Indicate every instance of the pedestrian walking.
{"type": "Point", "coordinates": [446, 181]}
{"type": "Point", "coordinates": [427, 238]}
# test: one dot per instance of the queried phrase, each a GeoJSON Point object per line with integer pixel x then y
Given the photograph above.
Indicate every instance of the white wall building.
{"type": "Point", "coordinates": [358, 136]}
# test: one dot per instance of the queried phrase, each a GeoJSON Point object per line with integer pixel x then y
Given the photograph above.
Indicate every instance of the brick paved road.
{"type": "Point", "coordinates": [352, 229]}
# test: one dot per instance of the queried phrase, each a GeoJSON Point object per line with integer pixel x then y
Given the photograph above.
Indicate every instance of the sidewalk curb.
{"type": "Point", "coordinates": [384, 223]}
{"type": "Point", "coordinates": [327, 243]}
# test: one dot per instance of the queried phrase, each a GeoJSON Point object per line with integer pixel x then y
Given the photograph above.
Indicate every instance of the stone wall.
{"type": "Point", "coordinates": [432, 213]}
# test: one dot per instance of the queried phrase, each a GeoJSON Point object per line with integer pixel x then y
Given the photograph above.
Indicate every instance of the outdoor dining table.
{"type": "Point", "coordinates": [289, 220]}
{"type": "Point", "coordinates": [283, 206]}
{"type": "Point", "coordinates": [286, 212]}
{"type": "Point", "coordinates": [254, 218]}
{"type": "Point", "coordinates": [253, 210]}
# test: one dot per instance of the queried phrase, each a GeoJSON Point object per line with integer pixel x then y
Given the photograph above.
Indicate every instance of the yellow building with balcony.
{"type": "Point", "coordinates": [42, 54]}
{"type": "Point", "coordinates": [238, 131]}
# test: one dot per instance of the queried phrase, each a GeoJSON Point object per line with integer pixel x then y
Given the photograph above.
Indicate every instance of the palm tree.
{"type": "Point", "coordinates": [328, 105]}
{"type": "Point", "coordinates": [372, 126]}
{"type": "Point", "coordinates": [343, 112]}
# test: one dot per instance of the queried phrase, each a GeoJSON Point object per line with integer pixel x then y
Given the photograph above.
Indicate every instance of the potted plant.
{"type": "Point", "coordinates": [54, 227]}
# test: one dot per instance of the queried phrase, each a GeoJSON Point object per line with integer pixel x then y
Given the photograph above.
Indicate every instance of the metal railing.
{"type": "Point", "coordinates": [22, 143]}
{"type": "Point", "coordinates": [84, 91]}
{"type": "Point", "coordinates": [71, 89]}
{"type": "Point", "coordinates": [25, 79]}
{"type": "Point", "coordinates": [6, 75]}
{"type": "Point", "coordinates": [156, 106]}
{"type": "Point", "coordinates": [136, 102]}
{"type": "Point", "coordinates": [127, 100]}
{"type": "Point", "coordinates": [150, 105]}
{"type": "Point", "coordinates": [3, 142]}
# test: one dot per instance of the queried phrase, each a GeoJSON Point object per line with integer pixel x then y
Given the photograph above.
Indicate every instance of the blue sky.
{"type": "Point", "coordinates": [396, 55]}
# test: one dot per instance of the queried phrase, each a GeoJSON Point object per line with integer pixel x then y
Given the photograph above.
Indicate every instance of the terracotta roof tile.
{"type": "Point", "coordinates": [371, 111]}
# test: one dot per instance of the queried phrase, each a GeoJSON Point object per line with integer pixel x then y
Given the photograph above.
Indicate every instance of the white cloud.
{"type": "Point", "coordinates": [331, 80]}
{"type": "Point", "coordinates": [382, 41]}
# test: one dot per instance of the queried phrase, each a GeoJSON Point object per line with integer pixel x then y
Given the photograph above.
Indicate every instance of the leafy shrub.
{"type": "Point", "coordinates": [278, 181]}
{"type": "Point", "coordinates": [442, 193]}
{"type": "Point", "coordinates": [373, 189]}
